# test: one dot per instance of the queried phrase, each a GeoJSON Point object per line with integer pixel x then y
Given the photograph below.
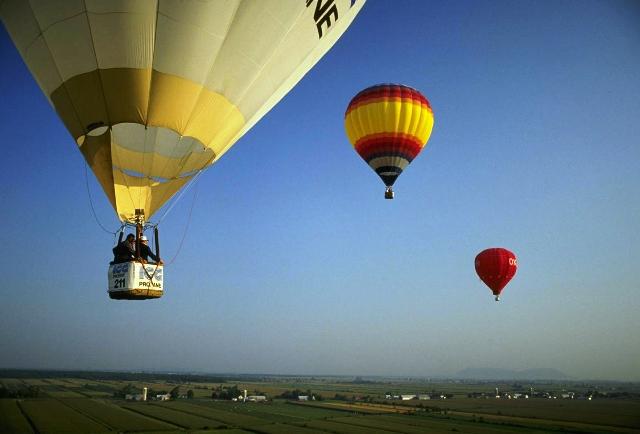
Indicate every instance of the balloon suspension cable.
{"type": "Point", "coordinates": [150, 276]}
{"type": "Point", "coordinates": [186, 227]}
{"type": "Point", "coordinates": [93, 211]}
{"type": "Point", "coordinates": [179, 196]}
{"type": "Point", "coordinates": [119, 234]}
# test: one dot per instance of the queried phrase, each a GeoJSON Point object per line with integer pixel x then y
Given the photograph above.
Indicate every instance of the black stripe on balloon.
{"type": "Point", "coordinates": [389, 180]}
{"type": "Point", "coordinates": [389, 169]}
{"type": "Point", "coordinates": [389, 174]}
{"type": "Point", "coordinates": [388, 154]}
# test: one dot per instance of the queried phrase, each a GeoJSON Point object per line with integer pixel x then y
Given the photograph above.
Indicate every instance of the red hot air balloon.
{"type": "Point", "coordinates": [496, 267]}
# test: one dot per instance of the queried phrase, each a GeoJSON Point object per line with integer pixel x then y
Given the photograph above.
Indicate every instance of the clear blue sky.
{"type": "Point", "coordinates": [294, 263]}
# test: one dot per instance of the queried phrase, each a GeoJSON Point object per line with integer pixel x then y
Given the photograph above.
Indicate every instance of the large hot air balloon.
{"type": "Point", "coordinates": [154, 91]}
{"type": "Point", "coordinates": [388, 125]}
{"type": "Point", "coordinates": [496, 267]}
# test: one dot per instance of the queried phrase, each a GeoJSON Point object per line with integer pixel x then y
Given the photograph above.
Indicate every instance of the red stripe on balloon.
{"type": "Point", "coordinates": [383, 93]}
{"type": "Point", "coordinates": [382, 144]}
{"type": "Point", "coordinates": [394, 138]}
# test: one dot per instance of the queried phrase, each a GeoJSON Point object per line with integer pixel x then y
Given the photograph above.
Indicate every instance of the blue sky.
{"type": "Point", "coordinates": [294, 263]}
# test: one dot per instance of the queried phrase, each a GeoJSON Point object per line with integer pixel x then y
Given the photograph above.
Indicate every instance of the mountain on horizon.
{"type": "Point", "coordinates": [510, 374]}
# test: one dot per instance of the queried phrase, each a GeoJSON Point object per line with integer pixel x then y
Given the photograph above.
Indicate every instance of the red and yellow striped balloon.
{"type": "Point", "coordinates": [388, 125]}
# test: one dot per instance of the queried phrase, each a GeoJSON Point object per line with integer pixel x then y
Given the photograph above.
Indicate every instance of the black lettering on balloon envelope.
{"type": "Point", "coordinates": [324, 11]}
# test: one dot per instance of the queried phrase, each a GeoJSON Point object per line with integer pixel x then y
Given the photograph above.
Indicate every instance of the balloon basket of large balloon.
{"type": "Point", "coordinates": [497, 298]}
{"type": "Point", "coordinates": [135, 281]}
{"type": "Point", "coordinates": [388, 193]}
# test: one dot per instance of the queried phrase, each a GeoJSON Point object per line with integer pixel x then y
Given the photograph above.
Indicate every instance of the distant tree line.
{"type": "Point", "coordinates": [226, 392]}
{"type": "Point", "coordinates": [127, 389]}
{"type": "Point", "coordinates": [113, 376]}
{"type": "Point", "coordinates": [130, 389]}
{"type": "Point", "coordinates": [230, 392]}
{"type": "Point", "coordinates": [340, 397]}
{"type": "Point", "coordinates": [294, 394]}
{"type": "Point", "coordinates": [541, 394]}
{"type": "Point", "coordinates": [360, 380]}
{"type": "Point", "coordinates": [613, 395]}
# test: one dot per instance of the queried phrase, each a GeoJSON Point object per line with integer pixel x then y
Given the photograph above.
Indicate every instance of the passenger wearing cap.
{"type": "Point", "coordinates": [145, 251]}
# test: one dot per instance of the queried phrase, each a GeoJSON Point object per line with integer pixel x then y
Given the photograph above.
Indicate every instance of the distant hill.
{"type": "Point", "coordinates": [509, 374]}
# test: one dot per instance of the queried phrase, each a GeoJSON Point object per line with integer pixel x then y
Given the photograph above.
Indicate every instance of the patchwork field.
{"type": "Point", "coordinates": [77, 405]}
{"type": "Point", "coordinates": [612, 412]}
{"type": "Point", "coordinates": [50, 416]}
{"type": "Point", "coordinates": [116, 417]}
{"type": "Point", "coordinates": [11, 418]}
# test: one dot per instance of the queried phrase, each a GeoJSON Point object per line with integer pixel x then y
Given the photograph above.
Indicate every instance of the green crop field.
{"type": "Point", "coordinates": [39, 405]}
{"type": "Point", "coordinates": [60, 392]}
{"type": "Point", "coordinates": [421, 423]}
{"type": "Point", "coordinates": [52, 417]}
{"type": "Point", "coordinates": [279, 428]}
{"type": "Point", "coordinates": [173, 417]}
{"type": "Point", "coordinates": [11, 418]}
{"type": "Point", "coordinates": [282, 409]}
{"type": "Point", "coordinates": [35, 382]}
{"type": "Point", "coordinates": [116, 417]}
{"type": "Point", "coordinates": [223, 431]}
{"type": "Point", "coordinates": [342, 428]}
{"type": "Point", "coordinates": [12, 383]}
{"type": "Point", "coordinates": [613, 412]}
{"type": "Point", "coordinates": [380, 422]}
{"type": "Point", "coordinates": [226, 417]}
{"type": "Point", "coordinates": [95, 389]}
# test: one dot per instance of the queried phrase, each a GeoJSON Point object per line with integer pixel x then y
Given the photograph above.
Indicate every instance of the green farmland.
{"type": "Point", "coordinates": [39, 405]}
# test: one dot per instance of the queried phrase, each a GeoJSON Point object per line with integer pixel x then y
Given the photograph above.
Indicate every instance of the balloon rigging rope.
{"type": "Point", "coordinates": [177, 199]}
{"type": "Point", "coordinates": [93, 210]}
{"type": "Point", "coordinates": [115, 233]}
{"type": "Point", "coordinates": [184, 233]}
{"type": "Point", "coordinates": [149, 276]}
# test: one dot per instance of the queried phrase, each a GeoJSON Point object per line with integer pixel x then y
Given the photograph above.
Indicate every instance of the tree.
{"type": "Point", "coordinates": [175, 392]}
{"type": "Point", "coordinates": [189, 394]}
{"type": "Point", "coordinates": [127, 389]}
{"type": "Point", "coordinates": [225, 393]}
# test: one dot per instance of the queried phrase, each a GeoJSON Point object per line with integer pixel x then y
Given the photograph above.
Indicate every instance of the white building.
{"type": "Point", "coordinates": [407, 397]}
{"type": "Point", "coordinates": [256, 398]}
